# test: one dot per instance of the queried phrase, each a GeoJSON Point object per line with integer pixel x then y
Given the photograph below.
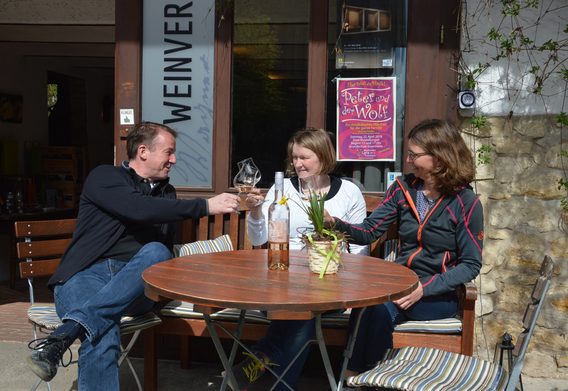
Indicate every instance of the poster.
{"type": "Point", "coordinates": [366, 119]}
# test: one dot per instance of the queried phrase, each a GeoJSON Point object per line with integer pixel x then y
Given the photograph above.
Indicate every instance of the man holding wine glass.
{"type": "Point", "coordinates": [125, 224]}
{"type": "Point", "coordinates": [311, 160]}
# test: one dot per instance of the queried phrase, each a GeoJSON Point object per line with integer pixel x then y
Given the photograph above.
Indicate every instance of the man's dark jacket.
{"type": "Point", "coordinates": [113, 199]}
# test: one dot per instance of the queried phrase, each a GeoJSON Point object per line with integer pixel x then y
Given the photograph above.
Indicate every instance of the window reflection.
{"type": "Point", "coordinates": [270, 54]}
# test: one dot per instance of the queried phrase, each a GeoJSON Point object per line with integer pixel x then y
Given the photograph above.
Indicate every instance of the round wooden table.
{"type": "Point", "coordinates": [241, 279]}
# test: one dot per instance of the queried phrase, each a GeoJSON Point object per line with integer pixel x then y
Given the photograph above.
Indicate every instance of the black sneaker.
{"type": "Point", "coordinates": [47, 354]}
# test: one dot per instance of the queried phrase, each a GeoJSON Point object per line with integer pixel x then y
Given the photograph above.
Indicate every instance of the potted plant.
{"type": "Point", "coordinates": [324, 244]}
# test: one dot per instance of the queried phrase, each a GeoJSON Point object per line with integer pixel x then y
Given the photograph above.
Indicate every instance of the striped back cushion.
{"type": "Point", "coordinates": [222, 243]}
{"type": "Point", "coordinates": [428, 369]}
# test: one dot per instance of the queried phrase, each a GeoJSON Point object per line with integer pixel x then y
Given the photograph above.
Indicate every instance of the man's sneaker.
{"type": "Point", "coordinates": [46, 355]}
{"type": "Point", "coordinates": [250, 370]}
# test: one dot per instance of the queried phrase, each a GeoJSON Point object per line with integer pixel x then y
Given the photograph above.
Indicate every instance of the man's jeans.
{"type": "Point", "coordinates": [97, 297]}
{"type": "Point", "coordinates": [377, 325]}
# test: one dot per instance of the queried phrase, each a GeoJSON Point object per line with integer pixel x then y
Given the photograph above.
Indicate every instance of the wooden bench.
{"type": "Point", "coordinates": [235, 225]}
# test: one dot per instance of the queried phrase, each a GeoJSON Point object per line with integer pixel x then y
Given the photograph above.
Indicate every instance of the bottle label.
{"type": "Point", "coordinates": [278, 231]}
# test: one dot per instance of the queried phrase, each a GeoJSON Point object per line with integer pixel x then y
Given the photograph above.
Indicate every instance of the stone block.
{"type": "Point", "coordinates": [539, 365]}
{"type": "Point", "coordinates": [486, 285]}
{"type": "Point", "coordinates": [534, 127]}
{"type": "Point", "coordinates": [483, 305]}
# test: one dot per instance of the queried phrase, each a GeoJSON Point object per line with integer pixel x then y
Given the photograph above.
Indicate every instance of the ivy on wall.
{"type": "Point", "coordinates": [531, 38]}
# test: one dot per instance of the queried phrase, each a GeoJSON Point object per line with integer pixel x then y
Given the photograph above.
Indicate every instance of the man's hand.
{"type": "Point", "coordinates": [223, 203]}
{"type": "Point", "coordinates": [407, 301]}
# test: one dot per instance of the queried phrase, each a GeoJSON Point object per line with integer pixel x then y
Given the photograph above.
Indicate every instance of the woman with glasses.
{"type": "Point", "coordinates": [440, 236]}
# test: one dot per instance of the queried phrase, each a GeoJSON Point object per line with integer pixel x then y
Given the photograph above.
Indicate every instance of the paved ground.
{"type": "Point", "coordinates": [15, 376]}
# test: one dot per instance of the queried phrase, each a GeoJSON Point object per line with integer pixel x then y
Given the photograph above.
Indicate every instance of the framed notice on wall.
{"type": "Point", "coordinates": [366, 119]}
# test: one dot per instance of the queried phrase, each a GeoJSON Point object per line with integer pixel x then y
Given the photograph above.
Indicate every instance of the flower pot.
{"type": "Point", "coordinates": [318, 254]}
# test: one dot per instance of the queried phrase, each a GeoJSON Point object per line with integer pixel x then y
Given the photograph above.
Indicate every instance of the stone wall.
{"type": "Point", "coordinates": [519, 191]}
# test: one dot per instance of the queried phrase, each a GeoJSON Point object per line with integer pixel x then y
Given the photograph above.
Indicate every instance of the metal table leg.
{"type": "Point", "coordinates": [324, 354]}
{"type": "Point", "coordinates": [227, 362]}
{"type": "Point", "coordinates": [349, 348]}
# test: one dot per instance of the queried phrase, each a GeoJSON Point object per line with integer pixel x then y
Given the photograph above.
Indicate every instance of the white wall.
{"type": "Point", "coordinates": [505, 85]}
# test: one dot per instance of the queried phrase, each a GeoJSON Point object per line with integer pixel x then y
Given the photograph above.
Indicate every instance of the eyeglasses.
{"type": "Point", "coordinates": [412, 156]}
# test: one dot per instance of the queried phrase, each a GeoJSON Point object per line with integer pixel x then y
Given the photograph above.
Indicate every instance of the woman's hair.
{"type": "Point", "coordinates": [316, 140]}
{"type": "Point", "coordinates": [144, 133]}
{"type": "Point", "coordinates": [440, 139]}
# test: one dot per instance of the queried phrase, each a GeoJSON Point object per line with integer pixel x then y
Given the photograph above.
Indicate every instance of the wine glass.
{"type": "Point", "coordinates": [247, 177]}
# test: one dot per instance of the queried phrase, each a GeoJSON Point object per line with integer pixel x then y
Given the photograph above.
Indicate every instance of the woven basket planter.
{"type": "Point", "coordinates": [317, 254]}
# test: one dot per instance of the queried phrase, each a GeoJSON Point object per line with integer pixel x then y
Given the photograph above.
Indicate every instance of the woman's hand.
{"type": "Point", "coordinates": [407, 301]}
{"type": "Point", "coordinates": [253, 201]}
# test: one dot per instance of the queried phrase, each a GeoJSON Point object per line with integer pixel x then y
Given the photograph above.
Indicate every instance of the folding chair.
{"type": "Point", "coordinates": [40, 244]}
{"type": "Point", "coordinates": [421, 369]}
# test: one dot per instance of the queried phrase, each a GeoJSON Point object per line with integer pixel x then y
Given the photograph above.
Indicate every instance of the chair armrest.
{"type": "Point", "coordinates": [470, 291]}
{"type": "Point", "coordinates": [467, 295]}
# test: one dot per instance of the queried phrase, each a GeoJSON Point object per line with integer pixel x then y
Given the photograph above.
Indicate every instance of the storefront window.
{"type": "Point", "coordinates": [270, 54]}
{"type": "Point", "coordinates": [367, 39]}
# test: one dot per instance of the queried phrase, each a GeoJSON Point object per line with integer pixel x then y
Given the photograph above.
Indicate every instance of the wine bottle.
{"type": "Point", "coordinates": [278, 227]}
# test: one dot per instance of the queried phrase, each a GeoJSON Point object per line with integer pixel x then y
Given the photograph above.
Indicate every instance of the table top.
{"type": "Point", "coordinates": [241, 279]}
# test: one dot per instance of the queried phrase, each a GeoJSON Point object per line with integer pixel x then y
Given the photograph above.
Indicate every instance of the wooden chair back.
{"type": "Point", "coordinates": [211, 227]}
{"type": "Point", "coordinates": [530, 317]}
{"type": "Point", "coordinates": [386, 246]}
{"type": "Point", "coordinates": [41, 244]}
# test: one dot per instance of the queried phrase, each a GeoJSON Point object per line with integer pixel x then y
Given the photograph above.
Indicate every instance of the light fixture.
{"type": "Point", "coordinates": [466, 99]}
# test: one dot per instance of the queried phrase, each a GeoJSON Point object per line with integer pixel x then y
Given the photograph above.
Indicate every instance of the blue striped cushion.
{"type": "Point", "coordinates": [428, 369]}
{"type": "Point", "coordinates": [182, 309]}
{"type": "Point", "coordinates": [130, 324]}
{"type": "Point", "coordinates": [222, 243]}
{"type": "Point", "coordinates": [438, 326]}
{"type": "Point", "coordinates": [45, 316]}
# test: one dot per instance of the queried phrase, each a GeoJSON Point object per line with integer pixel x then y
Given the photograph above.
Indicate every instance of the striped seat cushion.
{"type": "Point", "coordinates": [428, 369]}
{"type": "Point", "coordinates": [184, 309]}
{"type": "Point", "coordinates": [45, 316]}
{"type": "Point", "coordinates": [438, 326]}
{"type": "Point", "coordinates": [222, 243]}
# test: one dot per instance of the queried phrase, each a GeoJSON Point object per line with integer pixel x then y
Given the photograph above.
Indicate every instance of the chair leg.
{"type": "Point", "coordinates": [134, 374]}
{"type": "Point", "coordinates": [124, 356]}
{"type": "Point", "coordinates": [36, 385]}
{"type": "Point", "coordinates": [184, 359]}
{"type": "Point", "coordinates": [150, 360]}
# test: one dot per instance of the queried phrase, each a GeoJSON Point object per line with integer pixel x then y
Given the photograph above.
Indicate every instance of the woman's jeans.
{"type": "Point", "coordinates": [377, 324]}
{"type": "Point", "coordinates": [97, 297]}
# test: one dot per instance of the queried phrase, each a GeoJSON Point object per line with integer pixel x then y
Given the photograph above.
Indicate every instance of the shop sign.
{"type": "Point", "coordinates": [177, 81]}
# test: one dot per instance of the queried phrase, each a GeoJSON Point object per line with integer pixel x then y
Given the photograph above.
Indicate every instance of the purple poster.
{"type": "Point", "coordinates": [366, 119]}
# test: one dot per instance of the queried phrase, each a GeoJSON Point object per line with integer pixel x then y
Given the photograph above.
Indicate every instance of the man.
{"type": "Point", "coordinates": [124, 225]}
